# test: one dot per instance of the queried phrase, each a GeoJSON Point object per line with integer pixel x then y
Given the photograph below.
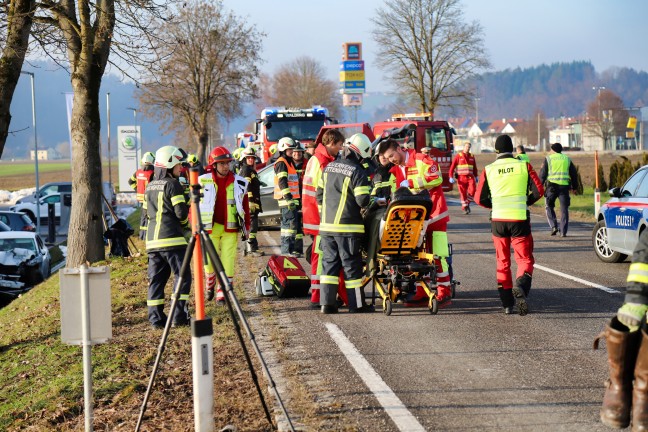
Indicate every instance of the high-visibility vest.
{"type": "Point", "coordinates": [558, 169]}
{"type": "Point", "coordinates": [293, 183]}
{"type": "Point", "coordinates": [464, 164]}
{"type": "Point", "coordinates": [523, 157]}
{"type": "Point", "coordinates": [208, 202]}
{"type": "Point", "coordinates": [142, 178]}
{"type": "Point", "coordinates": [508, 180]}
{"type": "Point", "coordinates": [312, 178]}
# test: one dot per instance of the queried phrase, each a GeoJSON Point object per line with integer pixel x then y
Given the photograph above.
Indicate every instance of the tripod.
{"type": "Point", "coordinates": [202, 329]}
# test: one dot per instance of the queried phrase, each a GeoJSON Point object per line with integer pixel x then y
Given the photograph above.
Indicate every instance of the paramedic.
{"type": "Point", "coordinates": [464, 169]}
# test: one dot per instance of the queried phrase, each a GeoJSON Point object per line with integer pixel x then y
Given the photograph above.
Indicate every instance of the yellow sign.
{"type": "Point", "coordinates": [289, 265]}
{"type": "Point", "coordinates": [630, 134]}
{"type": "Point", "coordinates": [632, 122]}
{"type": "Point", "coordinates": [352, 75]}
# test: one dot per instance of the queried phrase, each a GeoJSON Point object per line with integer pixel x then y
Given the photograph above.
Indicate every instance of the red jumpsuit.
{"type": "Point", "coordinates": [465, 167]}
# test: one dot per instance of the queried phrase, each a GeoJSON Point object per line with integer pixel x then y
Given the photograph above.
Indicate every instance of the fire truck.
{"type": "Point", "coordinates": [302, 124]}
{"type": "Point", "coordinates": [419, 130]}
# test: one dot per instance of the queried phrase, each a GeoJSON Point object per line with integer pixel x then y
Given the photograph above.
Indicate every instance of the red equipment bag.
{"type": "Point", "coordinates": [287, 276]}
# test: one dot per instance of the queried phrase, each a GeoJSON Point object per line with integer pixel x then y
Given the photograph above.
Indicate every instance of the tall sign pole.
{"type": "Point", "coordinates": [352, 76]}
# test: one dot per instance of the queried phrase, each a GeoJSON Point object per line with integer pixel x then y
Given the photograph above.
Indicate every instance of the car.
{"type": "Point", "coordinates": [271, 215]}
{"type": "Point", "coordinates": [66, 187]}
{"type": "Point", "coordinates": [17, 221]}
{"type": "Point", "coordinates": [4, 227]}
{"type": "Point", "coordinates": [24, 260]}
{"type": "Point", "coordinates": [622, 219]}
{"type": "Point", "coordinates": [29, 207]}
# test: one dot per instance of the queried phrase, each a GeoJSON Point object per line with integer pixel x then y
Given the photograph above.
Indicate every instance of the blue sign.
{"type": "Point", "coordinates": [352, 65]}
{"type": "Point", "coordinates": [352, 84]}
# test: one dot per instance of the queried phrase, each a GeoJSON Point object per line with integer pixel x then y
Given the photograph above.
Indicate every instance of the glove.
{"type": "Point", "coordinates": [381, 201]}
{"type": "Point", "coordinates": [451, 180]}
{"type": "Point", "coordinates": [254, 207]}
{"type": "Point", "coordinates": [405, 183]}
{"type": "Point", "coordinates": [631, 315]}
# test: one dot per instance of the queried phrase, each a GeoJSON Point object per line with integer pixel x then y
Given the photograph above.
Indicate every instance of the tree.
{"type": "Point", "coordinates": [302, 83]}
{"type": "Point", "coordinates": [209, 70]}
{"type": "Point", "coordinates": [15, 25]}
{"type": "Point", "coordinates": [533, 131]}
{"type": "Point", "coordinates": [607, 117]}
{"type": "Point", "coordinates": [429, 50]}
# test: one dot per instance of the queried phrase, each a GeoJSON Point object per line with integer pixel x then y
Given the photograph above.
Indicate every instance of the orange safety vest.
{"type": "Point", "coordinates": [293, 182]}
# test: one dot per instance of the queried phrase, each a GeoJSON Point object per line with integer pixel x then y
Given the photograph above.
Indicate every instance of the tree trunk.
{"type": "Point", "coordinates": [202, 139]}
{"type": "Point", "coordinates": [19, 25]}
{"type": "Point", "coordinates": [85, 239]}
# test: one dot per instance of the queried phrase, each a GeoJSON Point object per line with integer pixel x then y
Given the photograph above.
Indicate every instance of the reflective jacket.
{"type": "Point", "coordinates": [523, 157]}
{"type": "Point", "coordinates": [464, 164]}
{"type": "Point", "coordinates": [140, 180]}
{"type": "Point", "coordinates": [167, 214]}
{"type": "Point", "coordinates": [254, 189]}
{"type": "Point", "coordinates": [559, 170]}
{"type": "Point", "coordinates": [343, 192]}
{"type": "Point", "coordinates": [508, 186]}
{"type": "Point", "coordinates": [312, 179]}
{"type": "Point", "coordinates": [208, 203]}
{"type": "Point", "coordinates": [637, 290]}
{"type": "Point", "coordinates": [286, 181]}
{"type": "Point", "coordinates": [423, 172]}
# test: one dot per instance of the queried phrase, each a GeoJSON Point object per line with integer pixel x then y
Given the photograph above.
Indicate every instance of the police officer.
{"type": "Point", "coordinates": [507, 187]}
{"type": "Point", "coordinates": [558, 174]}
{"type": "Point", "coordinates": [343, 193]}
{"type": "Point", "coordinates": [248, 171]}
{"type": "Point", "coordinates": [168, 218]}
{"type": "Point", "coordinates": [286, 192]}
{"type": "Point", "coordinates": [138, 183]}
{"type": "Point", "coordinates": [464, 169]}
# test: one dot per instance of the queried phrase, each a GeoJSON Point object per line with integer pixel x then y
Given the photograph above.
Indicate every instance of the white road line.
{"type": "Point", "coordinates": [276, 250]}
{"type": "Point", "coordinates": [400, 415]}
{"type": "Point", "coordinates": [579, 280]}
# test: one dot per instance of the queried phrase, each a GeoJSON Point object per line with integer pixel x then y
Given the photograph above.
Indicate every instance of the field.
{"type": "Point", "coordinates": [21, 175]}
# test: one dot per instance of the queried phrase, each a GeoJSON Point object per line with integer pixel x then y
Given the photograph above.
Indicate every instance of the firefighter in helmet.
{"type": "Point", "coordinates": [248, 171]}
{"type": "Point", "coordinates": [286, 192]}
{"type": "Point", "coordinates": [138, 183]}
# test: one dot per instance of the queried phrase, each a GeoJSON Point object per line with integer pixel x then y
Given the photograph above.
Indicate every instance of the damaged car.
{"type": "Point", "coordinates": [24, 261]}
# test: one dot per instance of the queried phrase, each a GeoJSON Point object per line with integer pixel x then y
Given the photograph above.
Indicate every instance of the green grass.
{"type": "Point", "coordinates": [582, 204]}
{"type": "Point", "coordinates": [17, 168]}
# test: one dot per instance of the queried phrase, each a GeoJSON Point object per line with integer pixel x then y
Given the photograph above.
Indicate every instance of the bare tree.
{"type": "Point", "coordinates": [532, 132]}
{"type": "Point", "coordinates": [607, 117]}
{"type": "Point", "coordinates": [302, 83]}
{"type": "Point", "coordinates": [15, 25]}
{"type": "Point", "coordinates": [209, 71]}
{"type": "Point", "coordinates": [429, 50]}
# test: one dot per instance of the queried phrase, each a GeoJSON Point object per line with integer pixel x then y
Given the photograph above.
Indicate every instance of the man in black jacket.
{"type": "Point", "coordinates": [559, 175]}
{"type": "Point", "coordinates": [248, 170]}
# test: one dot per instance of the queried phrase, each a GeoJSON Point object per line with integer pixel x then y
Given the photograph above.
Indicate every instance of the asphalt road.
{"type": "Point", "coordinates": [470, 367]}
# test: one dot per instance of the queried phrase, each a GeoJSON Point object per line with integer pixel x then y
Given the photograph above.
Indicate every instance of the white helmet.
{"type": "Point", "coordinates": [286, 143]}
{"type": "Point", "coordinates": [360, 144]}
{"type": "Point", "coordinates": [168, 157]}
{"type": "Point", "coordinates": [148, 158]}
{"type": "Point", "coordinates": [248, 152]}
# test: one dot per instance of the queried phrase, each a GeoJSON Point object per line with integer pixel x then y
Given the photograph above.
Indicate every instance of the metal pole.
{"type": "Point", "coordinates": [108, 115]}
{"type": "Point", "coordinates": [137, 135]}
{"type": "Point", "coordinates": [33, 96]}
{"type": "Point", "coordinates": [87, 348]}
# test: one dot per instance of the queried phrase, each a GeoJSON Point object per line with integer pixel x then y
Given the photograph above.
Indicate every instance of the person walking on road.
{"type": "Point", "coordinates": [464, 169]}
{"type": "Point", "coordinates": [507, 187]}
{"type": "Point", "coordinates": [559, 176]}
{"type": "Point", "coordinates": [168, 219]}
{"type": "Point", "coordinates": [627, 346]}
{"type": "Point", "coordinates": [248, 171]}
{"type": "Point", "coordinates": [286, 192]}
{"type": "Point", "coordinates": [520, 153]}
{"type": "Point", "coordinates": [343, 193]}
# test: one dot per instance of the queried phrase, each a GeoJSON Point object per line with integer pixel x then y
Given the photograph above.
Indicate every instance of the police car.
{"type": "Point", "coordinates": [622, 219]}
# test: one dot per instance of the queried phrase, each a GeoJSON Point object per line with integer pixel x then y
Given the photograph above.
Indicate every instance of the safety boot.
{"type": "Point", "coordinates": [524, 282]}
{"type": "Point", "coordinates": [640, 390]}
{"type": "Point", "coordinates": [506, 297]}
{"type": "Point", "coordinates": [519, 292]}
{"type": "Point", "coordinates": [622, 352]}
{"type": "Point", "coordinates": [220, 297]}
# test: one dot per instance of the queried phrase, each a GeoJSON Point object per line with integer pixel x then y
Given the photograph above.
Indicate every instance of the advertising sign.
{"type": "Point", "coordinates": [352, 76]}
{"type": "Point", "coordinates": [352, 65]}
{"type": "Point", "coordinates": [128, 139]}
{"type": "Point", "coordinates": [352, 84]}
{"type": "Point", "coordinates": [352, 51]}
{"type": "Point", "coordinates": [352, 99]}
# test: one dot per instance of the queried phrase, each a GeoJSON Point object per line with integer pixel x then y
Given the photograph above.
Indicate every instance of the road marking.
{"type": "Point", "coordinates": [400, 415]}
{"type": "Point", "coordinates": [579, 280]}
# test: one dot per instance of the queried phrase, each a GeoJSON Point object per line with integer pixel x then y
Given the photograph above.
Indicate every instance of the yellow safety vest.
{"type": "Point", "coordinates": [508, 182]}
{"type": "Point", "coordinates": [208, 201]}
{"type": "Point", "coordinates": [558, 169]}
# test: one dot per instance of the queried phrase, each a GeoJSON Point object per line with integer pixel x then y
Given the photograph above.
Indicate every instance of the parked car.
{"type": "Point", "coordinates": [63, 187]}
{"type": "Point", "coordinates": [29, 207]}
{"type": "Point", "coordinates": [271, 216]}
{"type": "Point", "coordinates": [622, 219]}
{"type": "Point", "coordinates": [24, 259]}
{"type": "Point", "coordinates": [17, 221]}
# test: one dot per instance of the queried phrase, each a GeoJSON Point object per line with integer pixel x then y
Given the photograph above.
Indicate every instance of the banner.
{"type": "Point", "coordinates": [69, 103]}
{"type": "Point", "coordinates": [128, 141]}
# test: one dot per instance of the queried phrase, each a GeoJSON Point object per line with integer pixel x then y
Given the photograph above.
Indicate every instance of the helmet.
{"type": "Point", "coordinates": [219, 154]}
{"type": "Point", "coordinates": [148, 158]}
{"type": "Point", "coordinates": [168, 157]}
{"type": "Point", "coordinates": [286, 143]}
{"type": "Point", "coordinates": [299, 147]}
{"type": "Point", "coordinates": [248, 152]}
{"type": "Point", "coordinates": [236, 154]}
{"type": "Point", "coordinates": [192, 158]}
{"type": "Point", "coordinates": [360, 144]}
{"type": "Point", "coordinates": [273, 149]}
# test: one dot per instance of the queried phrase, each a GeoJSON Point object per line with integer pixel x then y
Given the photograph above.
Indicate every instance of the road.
{"type": "Point", "coordinates": [468, 368]}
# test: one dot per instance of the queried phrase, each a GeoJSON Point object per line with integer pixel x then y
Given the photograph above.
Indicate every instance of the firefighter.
{"type": "Point", "coordinates": [464, 169]}
{"type": "Point", "coordinates": [300, 163]}
{"type": "Point", "coordinates": [417, 171]}
{"type": "Point", "coordinates": [194, 162]}
{"type": "Point", "coordinates": [286, 192]}
{"type": "Point", "coordinates": [327, 152]}
{"type": "Point", "coordinates": [138, 182]}
{"type": "Point", "coordinates": [343, 192]}
{"type": "Point", "coordinates": [559, 175]}
{"type": "Point", "coordinates": [274, 153]}
{"type": "Point", "coordinates": [507, 187]}
{"type": "Point", "coordinates": [249, 172]}
{"type": "Point", "coordinates": [225, 209]}
{"type": "Point", "coordinates": [627, 346]}
{"type": "Point", "coordinates": [168, 217]}
{"type": "Point", "coordinates": [236, 154]}
{"type": "Point", "coordinates": [521, 154]}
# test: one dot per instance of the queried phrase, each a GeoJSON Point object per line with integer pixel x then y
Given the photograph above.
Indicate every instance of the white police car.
{"type": "Point", "coordinates": [622, 219]}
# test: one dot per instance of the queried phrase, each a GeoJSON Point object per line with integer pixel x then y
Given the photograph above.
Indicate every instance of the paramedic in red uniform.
{"type": "Point", "coordinates": [464, 169]}
{"type": "Point", "coordinates": [507, 187]}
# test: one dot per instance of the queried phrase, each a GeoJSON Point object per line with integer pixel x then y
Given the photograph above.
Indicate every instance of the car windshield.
{"type": "Point", "coordinates": [435, 138]}
{"type": "Point", "coordinates": [295, 129]}
{"type": "Point", "coordinates": [7, 245]}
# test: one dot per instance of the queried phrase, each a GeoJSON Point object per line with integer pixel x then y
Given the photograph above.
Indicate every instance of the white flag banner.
{"type": "Point", "coordinates": [69, 103]}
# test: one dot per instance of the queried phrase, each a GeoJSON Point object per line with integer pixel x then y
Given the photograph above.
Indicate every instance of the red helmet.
{"type": "Point", "coordinates": [219, 154]}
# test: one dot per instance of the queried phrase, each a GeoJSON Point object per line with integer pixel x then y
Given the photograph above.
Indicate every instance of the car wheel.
{"type": "Point", "coordinates": [602, 247]}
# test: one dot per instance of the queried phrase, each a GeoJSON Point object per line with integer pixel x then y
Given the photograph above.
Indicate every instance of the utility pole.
{"type": "Point", "coordinates": [108, 124]}
{"type": "Point", "coordinates": [600, 115]}
{"type": "Point", "coordinates": [33, 97]}
{"type": "Point", "coordinates": [538, 146]}
{"type": "Point", "coordinates": [477, 111]}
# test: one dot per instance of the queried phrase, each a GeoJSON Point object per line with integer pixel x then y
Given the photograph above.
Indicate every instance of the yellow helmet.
{"type": "Point", "coordinates": [273, 149]}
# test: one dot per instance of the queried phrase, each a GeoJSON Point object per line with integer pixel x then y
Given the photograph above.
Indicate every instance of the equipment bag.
{"type": "Point", "coordinates": [287, 276]}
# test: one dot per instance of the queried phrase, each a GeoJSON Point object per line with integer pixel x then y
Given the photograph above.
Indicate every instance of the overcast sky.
{"type": "Point", "coordinates": [516, 33]}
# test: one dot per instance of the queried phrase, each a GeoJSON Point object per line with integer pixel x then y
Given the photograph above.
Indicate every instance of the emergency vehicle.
{"type": "Point", "coordinates": [302, 124]}
{"type": "Point", "coordinates": [419, 130]}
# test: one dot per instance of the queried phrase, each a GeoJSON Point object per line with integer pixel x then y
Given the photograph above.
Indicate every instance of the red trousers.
{"type": "Point", "coordinates": [523, 252]}
{"type": "Point", "coordinates": [466, 186]}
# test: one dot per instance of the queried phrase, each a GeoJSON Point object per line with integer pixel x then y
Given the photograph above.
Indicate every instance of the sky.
{"type": "Point", "coordinates": [517, 33]}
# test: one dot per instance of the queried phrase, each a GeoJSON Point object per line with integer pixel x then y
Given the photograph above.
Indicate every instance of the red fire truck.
{"type": "Point", "coordinates": [302, 124]}
{"type": "Point", "coordinates": [418, 131]}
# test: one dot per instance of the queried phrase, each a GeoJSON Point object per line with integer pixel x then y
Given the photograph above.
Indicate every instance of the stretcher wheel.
{"type": "Point", "coordinates": [433, 306]}
{"type": "Point", "coordinates": [387, 306]}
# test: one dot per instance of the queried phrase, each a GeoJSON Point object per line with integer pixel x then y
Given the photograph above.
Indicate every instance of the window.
{"type": "Point", "coordinates": [642, 192]}
{"type": "Point", "coordinates": [630, 187]}
{"type": "Point", "coordinates": [436, 138]}
{"type": "Point", "coordinates": [266, 176]}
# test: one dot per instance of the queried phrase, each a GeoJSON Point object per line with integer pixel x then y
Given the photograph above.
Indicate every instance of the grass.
{"type": "Point", "coordinates": [22, 168]}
